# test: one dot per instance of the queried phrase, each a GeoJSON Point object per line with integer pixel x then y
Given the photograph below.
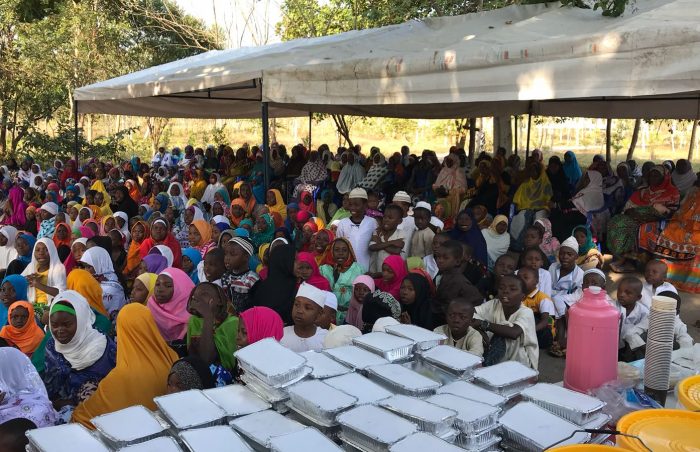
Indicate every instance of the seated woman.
{"type": "Point", "coordinates": [161, 235]}
{"type": "Point", "coordinates": [532, 201]}
{"type": "Point", "coordinates": [658, 200]}
{"type": "Point", "coordinates": [490, 190]}
{"type": "Point", "coordinates": [452, 182]}
{"type": "Point", "coordinates": [376, 173]}
{"type": "Point", "coordinates": [313, 174]}
{"type": "Point", "coordinates": [509, 324]}
{"type": "Point", "coordinates": [45, 273]}
{"type": "Point", "coordinates": [98, 263]}
{"type": "Point", "coordinates": [24, 244]}
{"type": "Point", "coordinates": [143, 287]}
{"type": "Point", "coordinates": [574, 212]}
{"type": "Point", "coordinates": [678, 243]}
{"type": "Point", "coordinates": [212, 331]}
{"type": "Point", "coordinates": [24, 395]}
{"type": "Point", "coordinates": [168, 306]}
{"type": "Point", "coordinates": [86, 285]}
{"type": "Point", "coordinates": [141, 373]}
{"type": "Point", "coordinates": [78, 356]}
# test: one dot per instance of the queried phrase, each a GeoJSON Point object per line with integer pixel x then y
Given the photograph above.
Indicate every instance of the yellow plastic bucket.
{"type": "Point", "coordinates": [661, 430]}
{"type": "Point", "coordinates": [688, 392]}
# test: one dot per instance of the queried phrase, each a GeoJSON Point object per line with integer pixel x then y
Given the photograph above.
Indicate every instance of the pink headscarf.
{"type": "Point", "coordinates": [172, 317]}
{"type": "Point", "coordinates": [316, 279]}
{"type": "Point", "coordinates": [354, 316]}
{"type": "Point", "coordinates": [86, 232]}
{"type": "Point", "coordinates": [19, 207]}
{"type": "Point", "coordinates": [262, 322]}
{"type": "Point", "coordinates": [399, 267]}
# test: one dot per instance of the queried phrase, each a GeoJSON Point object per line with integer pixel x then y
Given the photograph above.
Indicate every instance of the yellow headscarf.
{"type": "Point", "coordinates": [534, 194]}
{"type": "Point", "coordinates": [279, 207]}
{"type": "Point", "coordinates": [261, 254]}
{"type": "Point", "coordinates": [143, 364]}
{"type": "Point", "coordinates": [148, 280]}
{"type": "Point", "coordinates": [86, 285]}
{"type": "Point", "coordinates": [100, 187]}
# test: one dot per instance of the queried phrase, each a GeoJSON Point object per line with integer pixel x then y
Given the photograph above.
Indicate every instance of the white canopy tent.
{"type": "Point", "coordinates": [542, 59]}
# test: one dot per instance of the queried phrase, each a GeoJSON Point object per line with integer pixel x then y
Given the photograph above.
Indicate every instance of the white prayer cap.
{"type": "Point", "coordinates": [331, 301]}
{"type": "Point", "coordinates": [402, 196]}
{"type": "Point", "coordinates": [435, 221]}
{"type": "Point", "coordinates": [50, 207]}
{"type": "Point", "coordinates": [381, 324]}
{"type": "Point", "coordinates": [571, 242]}
{"type": "Point", "coordinates": [313, 293]}
{"type": "Point", "coordinates": [341, 335]}
{"type": "Point", "coordinates": [596, 271]}
{"type": "Point", "coordinates": [358, 193]}
{"type": "Point", "coordinates": [422, 205]}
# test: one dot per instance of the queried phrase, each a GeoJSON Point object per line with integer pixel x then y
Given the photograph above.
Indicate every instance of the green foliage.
{"type": "Point", "coordinates": [610, 8]}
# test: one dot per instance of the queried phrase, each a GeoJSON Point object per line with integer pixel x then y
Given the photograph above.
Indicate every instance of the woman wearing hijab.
{"type": "Point", "coordinates": [201, 237]}
{"type": "Point", "coordinates": [306, 270]}
{"type": "Point", "coordinates": [161, 235]}
{"type": "Point", "coordinates": [258, 323]}
{"type": "Point", "coordinates": [99, 187]}
{"type": "Point", "coordinates": [351, 175]}
{"type": "Point", "coordinates": [245, 192]}
{"type": "Point", "coordinates": [190, 259]}
{"type": "Point", "coordinates": [143, 287]}
{"type": "Point", "coordinates": [466, 230]}
{"type": "Point", "coordinates": [379, 305]}
{"type": "Point", "coordinates": [393, 272]}
{"type": "Point", "coordinates": [153, 263]}
{"type": "Point", "coordinates": [589, 199]}
{"type": "Point", "coordinates": [143, 364]}
{"type": "Point", "coordinates": [361, 286]}
{"type": "Point", "coordinates": [17, 207]}
{"type": "Point", "coordinates": [416, 301]}
{"type": "Point", "coordinates": [139, 232]}
{"type": "Point", "coordinates": [275, 203]}
{"type": "Point", "coordinates": [214, 186]}
{"type": "Point", "coordinates": [312, 175]}
{"type": "Point", "coordinates": [13, 288]}
{"type": "Point", "coordinates": [376, 173]}
{"type": "Point", "coordinates": [264, 230]}
{"type": "Point", "coordinates": [189, 215]}
{"type": "Point", "coordinates": [123, 202]}
{"type": "Point", "coordinates": [24, 394]}
{"type": "Point", "coordinates": [21, 329]}
{"type": "Point", "coordinates": [78, 356]}
{"type": "Point", "coordinates": [98, 263]}
{"type": "Point", "coordinates": [8, 252]}
{"type": "Point", "coordinates": [24, 244]}
{"type": "Point", "coordinates": [588, 254]}
{"type": "Point", "coordinates": [279, 289]}
{"type": "Point", "coordinates": [341, 270]}
{"type": "Point", "coordinates": [45, 273]}
{"type": "Point", "coordinates": [497, 239]}
{"type": "Point", "coordinates": [86, 285]}
{"type": "Point", "coordinates": [62, 238]}
{"type": "Point", "coordinates": [177, 196]}
{"type": "Point", "coordinates": [48, 213]}
{"type": "Point", "coordinates": [169, 305]}
{"type": "Point", "coordinates": [531, 199]}
{"type": "Point", "coordinates": [452, 179]}
{"type": "Point", "coordinates": [550, 244]}
{"type": "Point", "coordinates": [656, 201]}
{"type": "Point", "coordinates": [571, 169]}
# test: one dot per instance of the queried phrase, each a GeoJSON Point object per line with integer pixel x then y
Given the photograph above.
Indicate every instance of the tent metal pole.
{"type": "Point", "coordinates": [266, 143]}
{"type": "Point", "coordinates": [75, 131]}
{"type": "Point", "coordinates": [515, 129]}
{"type": "Point", "coordinates": [529, 126]}
{"type": "Point", "coordinates": [311, 116]}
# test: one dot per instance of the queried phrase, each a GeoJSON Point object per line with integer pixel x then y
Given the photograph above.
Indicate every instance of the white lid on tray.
{"type": "Point", "coordinates": [236, 400]}
{"type": "Point", "coordinates": [504, 374]}
{"type": "Point", "coordinates": [325, 397]}
{"type": "Point", "coordinates": [415, 333]}
{"type": "Point", "coordinates": [467, 410]}
{"type": "Point", "coordinates": [65, 438]}
{"type": "Point", "coordinates": [269, 359]}
{"type": "Point", "coordinates": [161, 444]}
{"type": "Point", "coordinates": [355, 357]}
{"type": "Point", "coordinates": [188, 409]}
{"type": "Point", "coordinates": [557, 395]}
{"type": "Point", "coordinates": [472, 392]}
{"type": "Point", "coordinates": [418, 408]}
{"type": "Point", "coordinates": [261, 427]}
{"type": "Point", "coordinates": [382, 341]}
{"type": "Point", "coordinates": [218, 437]}
{"type": "Point", "coordinates": [128, 424]}
{"type": "Point", "coordinates": [400, 376]}
{"type": "Point", "coordinates": [540, 426]}
{"type": "Point", "coordinates": [308, 439]}
{"type": "Point", "coordinates": [323, 366]}
{"type": "Point", "coordinates": [452, 358]}
{"type": "Point", "coordinates": [364, 390]}
{"type": "Point", "coordinates": [423, 442]}
{"type": "Point", "coordinates": [377, 423]}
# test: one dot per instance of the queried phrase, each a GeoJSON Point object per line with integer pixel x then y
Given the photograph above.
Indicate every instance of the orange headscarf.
{"type": "Point", "coordinates": [241, 203]}
{"type": "Point", "coordinates": [277, 219]}
{"type": "Point", "coordinates": [133, 259]}
{"type": "Point", "coordinates": [204, 229]}
{"type": "Point", "coordinates": [326, 256]}
{"type": "Point", "coordinates": [143, 364]}
{"type": "Point", "coordinates": [96, 211]}
{"type": "Point", "coordinates": [29, 337]}
{"type": "Point", "coordinates": [66, 241]}
{"type": "Point", "coordinates": [134, 192]}
{"type": "Point", "coordinates": [84, 283]}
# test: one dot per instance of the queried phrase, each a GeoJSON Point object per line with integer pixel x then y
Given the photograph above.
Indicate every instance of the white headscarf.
{"type": "Point", "coordinates": [590, 198]}
{"type": "Point", "coordinates": [88, 345]}
{"type": "Point", "coordinates": [198, 214]}
{"type": "Point", "coordinates": [182, 203]}
{"type": "Point", "coordinates": [496, 244]}
{"type": "Point", "coordinates": [99, 259]}
{"type": "Point", "coordinates": [124, 229]}
{"type": "Point", "coordinates": [211, 189]}
{"type": "Point", "coordinates": [8, 253]}
{"type": "Point", "coordinates": [167, 253]}
{"type": "Point", "coordinates": [33, 175]}
{"type": "Point", "coordinates": [350, 176]}
{"type": "Point", "coordinates": [57, 272]}
{"type": "Point", "coordinates": [25, 393]}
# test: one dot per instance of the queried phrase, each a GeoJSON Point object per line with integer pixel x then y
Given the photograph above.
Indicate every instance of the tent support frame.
{"type": "Point", "coordinates": [311, 117]}
{"type": "Point", "coordinates": [76, 149]}
{"type": "Point", "coordinates": [266, 143]}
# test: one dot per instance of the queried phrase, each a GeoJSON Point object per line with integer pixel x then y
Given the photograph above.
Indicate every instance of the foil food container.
{"type": "Point", "coordinates": [372, 428]}
{"type": "Point", "coordinates": [272, 363]}
{"type": "Point", "coordinates": [259, 428]}
{"type": "Point", "coordinates": [428, 417]}
{"type": "Point", "coordinates": [473, 392]}
{"type": "Point", "coordinates": [423, 442]}
{"type": "Point", "coordinates": [529, 427]}
{"type": "Point", "coordinates": [390, 347]}
{"type": "Point", "coordinates": [364, 390]}
{"type": "Point", "coordinates": [472, 417]}
{"type": "Point", "coordinates": [323, 366]}
{"type": "Point", "coordinates": [507, 379]}
{"type": "Point", "coordinates": [570, 405]}
{"type": "Point", "coordinates": [423, 338]}
{"type": "Point", "coordinates": [236, 400]}
{"type": "Point", "coordinates": [454, 361]}
{"type": "Point", "coordinates": [129, 426]}
{"type": "Point", "coordinates": [307, 440]}
{"type": "Point", "coordinates": [64, 438]}
{"type": "Point", "coordinates": [208, 439]}
{"type": "Point", "coordinates": [319, 401]}
{"type": "Point", "coordinates": [189, 409]}
{"type": "Point", "coordinates": [402, 380]}
{"type": "Point", "coordinates": [355, 358]}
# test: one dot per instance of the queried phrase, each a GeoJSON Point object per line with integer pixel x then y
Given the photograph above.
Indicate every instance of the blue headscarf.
{"type": "Point", "coordinates": [289, 221]}
{"type": "Point", "coordinates": [196, 257]}
{"type": "Point", "coordinates": [20, 284]}
{"type": "Point", "coordinates": [31, 241]}
{"type": "Point", "coordinates": [473, 237]}
{"type": "Point", "coordinates": [163, 200]}
{"type": "Point", "coordinates": [224, 194]}
{"type": "Point", "coordinates": [571, 168]}
{"type": "Point", "coordinates": [242, 232]}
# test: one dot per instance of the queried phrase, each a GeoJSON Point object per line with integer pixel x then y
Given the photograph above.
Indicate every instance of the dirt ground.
{"type": "Point", "coordinates": [552, 369]}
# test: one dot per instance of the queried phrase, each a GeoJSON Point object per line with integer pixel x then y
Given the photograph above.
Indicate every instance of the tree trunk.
{"type": "Point", "coordinates": [608, 139]}
{"type": "Point", "coordinates": [691, 148]}
{"type": "Point", "coordinates": [342, 126]}
{"type": "Point", "coordinates": [635, 137]}
{"type": "Point", "coordinates": [472, 140]}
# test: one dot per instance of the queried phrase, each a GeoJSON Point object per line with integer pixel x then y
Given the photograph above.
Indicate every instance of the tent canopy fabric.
{"type": "Point", "coordinates": [544, 58]}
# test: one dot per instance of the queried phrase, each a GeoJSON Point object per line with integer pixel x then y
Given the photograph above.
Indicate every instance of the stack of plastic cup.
{"type": "Point", "coordinates": [657, 366]}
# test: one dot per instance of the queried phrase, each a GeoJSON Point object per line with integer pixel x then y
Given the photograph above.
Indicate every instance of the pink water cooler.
{"type": "Point", "coordinates": [593, 335]}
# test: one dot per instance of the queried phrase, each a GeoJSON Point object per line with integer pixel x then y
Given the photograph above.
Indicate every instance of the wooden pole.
{"type": "Point", "coordinates": [608, 138]}
{"type": "Point", "coordinates": [266, 143]}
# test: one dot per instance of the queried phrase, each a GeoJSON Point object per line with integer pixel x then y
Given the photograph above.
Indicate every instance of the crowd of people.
{"type": "Point", "coordinates": [126, 281]}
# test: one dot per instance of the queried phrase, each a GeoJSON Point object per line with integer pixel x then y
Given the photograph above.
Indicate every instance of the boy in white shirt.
{"type": "Point", "coordinates": [422, 238]}
{"type": "Point", "coordinates": [635, 319]}
{"type": "Point", "coordinates": [408, 223]}
{"type": "Point", "coordinates": [388, 239]}
{"type": "Point", "coordinates": [429, 261]}
{"type": "Point", "coordinates": [567, 280]}
{"type": "Point", "coordinates": [655, 274]}
{"type": "Point", "coordinates": [304, 335]}
{"type": "Point", "coordinates": [358, 228]}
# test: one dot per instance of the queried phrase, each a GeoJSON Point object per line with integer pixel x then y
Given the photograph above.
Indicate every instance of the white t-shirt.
{"type": "Point", "coordinates": [648, 292]}
{"type": "Point", "coordinates": [408, 226]}
{"type": "Point", "coordinates": [359, 236]}
{"type": "Point", "coordinates": [301, 344]}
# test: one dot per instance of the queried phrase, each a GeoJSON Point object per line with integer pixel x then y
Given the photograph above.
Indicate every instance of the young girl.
{"type": "Point", "coordinates": [416, 301]}
{"type": "Point", "coordinates": [393, 273]}
{"type": "Point", "coordinates": [143, 288]}
{"type": "Point", "coordinates": [361, 287]}
{"type": "Point", "coordinates": [22, 330]}
{"type": "Point", "coordinates": [549, 245]}
{"type": "Point", "coordinates": [258, 323]}
{"type": "Point", "coordinates": [588, 254]}
{"type": "Point", "coordinates": [200, 236]}
{"type": "Point", "coordinates": [322, 245]}
{"type": "Point", "coordinates": [139, 231]}
{"type": "Point", "coordinates": [190, 260]}
{"type": "Point", "coordinates": [307, 271]}
{"type": "Point", "coordinates": [98, 262]}
{"type": "Point", "coordinates": [168, 305]}
{"type": "Point", "coordinates": [535, 259]}
{"type": "Point", "coordinates": [341, 269]}
{"type": "Point", "coordinates": [238, 278]}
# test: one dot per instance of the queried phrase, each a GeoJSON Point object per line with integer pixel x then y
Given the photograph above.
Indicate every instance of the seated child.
{"type": "Point", "coordinates": [422, 239]}
{"type": "Point", "coordinates": [327, 319]}
{"type": "Point", "coordinates": [429, 260]}
{"type": "Point", "coordinates": [451, 283]}
{"type": "Point", "coordinates": [541, 306]}
{"type": "Point", "coordinates": [488, 286]}
{"type": "Point", "coordinates": [567, 280]}
{"type": "Point", "coordinates": [509, 324]}
{"type": "Point", "coordinates": [213, 266]}
{"type": "Point", "coordinates": [681, 338]}
{"type": "Point", "coordinates": [373, 208]}
{"type": "Point", "coordinates": [532, 237]}
{"type": "Point", "coordinates": [535, 259]}
{"type": "Point", "coordinates": [304, 335]}
{"type": "Point", "coordinates": [388, 239]}
{"type": "Point", "coordinates": [459, 334]}
{"type": "Point", "coordinates": [238, 279]}
{"type": "Point", "coordinates": [549, 245]}
{"type": "Point", "coordinates": [655, 274]}
{"type": "Point", "coordinates": [635, 319]}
